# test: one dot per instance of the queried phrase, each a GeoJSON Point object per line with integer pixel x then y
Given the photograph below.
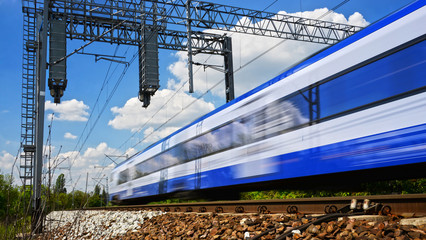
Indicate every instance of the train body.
{"type": "Point", "coordinates": [355, 107]}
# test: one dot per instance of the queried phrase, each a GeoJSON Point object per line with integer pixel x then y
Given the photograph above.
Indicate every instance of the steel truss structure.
{"type": "Point", "coordinates": [203, 15]}
{"type": "Point", "coordinates": [152, 24]}
{"type": "Point", "coordinates": [28, 111]}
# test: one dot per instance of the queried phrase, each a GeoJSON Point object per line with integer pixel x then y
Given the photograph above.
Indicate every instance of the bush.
{"type": "Point", "coordinates": [373, 188]}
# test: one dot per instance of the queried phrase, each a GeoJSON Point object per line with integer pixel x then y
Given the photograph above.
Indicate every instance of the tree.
{"type": "Point", "coordinates": [3, 196]}
{"type": "Point", "coordinates": [97, 190]}
{"type": "Point", "coordinates": [104, 197]}
{"type": "Point", "coordinates": [79, 198]}
{"type": "Point", "coordinates": [60, 184]}
{"type": "Point", "coordinates": [95, 199]}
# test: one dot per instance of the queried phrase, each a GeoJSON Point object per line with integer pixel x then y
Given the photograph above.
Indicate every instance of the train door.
{"type": "Point", "coordinates": [197, 177]}
{"type": "Point", "coordinates": [162, 186]}
{"type": "Point", "coordinates": [113, 184]}
{"type": "Point", "coordinates": [129, 188]}
{"type": "Point", "coordinates": [197, 174]}
{"type": "Point", "coordinates": [124, 182]}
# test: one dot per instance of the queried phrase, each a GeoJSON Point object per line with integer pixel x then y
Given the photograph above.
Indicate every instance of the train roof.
{"type": "Point", "coordinates": [303, 64]}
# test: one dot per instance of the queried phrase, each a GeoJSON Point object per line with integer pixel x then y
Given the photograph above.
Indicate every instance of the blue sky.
{"type": "Point", "coordinates": [123, 125]}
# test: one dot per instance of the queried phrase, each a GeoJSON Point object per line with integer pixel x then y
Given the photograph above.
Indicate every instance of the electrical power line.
{"type": "Point", "coordinates": [208, 90]}
{"type": "Point", "coordinates": [127, 66]}
{"type": "Point", "coordinates": [105, 104]}
{"type": "Point", "coordinates": [334, 8]}
{"type": "Point", "coordinates": [97, 99]}
{"type": "Point", "coordinates": [215, 85]}
{"type": "Point", "coordinates": [269, 5]}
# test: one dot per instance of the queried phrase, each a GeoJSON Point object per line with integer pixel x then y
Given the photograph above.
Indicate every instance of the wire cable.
{"type": "Point", "coordinates": [334, 8]}
{"type": "Point", "coordinates": [97, 99]}
{"type": "Point", "coordinates": [269, 5]}
{"type": "Point", "coordinates": [235, 71]}
{"type": "Point", "coordinates": [109, 98]}
{"type": "Point", "coordinates": [112, 92]}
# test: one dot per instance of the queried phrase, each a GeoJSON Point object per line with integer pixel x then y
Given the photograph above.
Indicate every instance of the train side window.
{"type": "Point", "coordinates": [240, 133]}
{"type": "Point", "coordinates": [208, 143]}
{"type": "Point", "coordinates": [392, 75]}
{"type": "Point", "coordinates": [272, 119]}
{"type": "Point", "coordinates": [123, 176]}
{"type": "Point", "coordinates": [139, 170]}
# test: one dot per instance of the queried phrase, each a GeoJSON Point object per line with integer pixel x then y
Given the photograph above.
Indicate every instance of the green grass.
{"type": "Point", "coordinates": [15, 228]}
{"type": "Point", "coordinates": [373, 188]}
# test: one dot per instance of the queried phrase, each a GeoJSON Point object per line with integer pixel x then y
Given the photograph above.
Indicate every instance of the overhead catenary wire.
{"type": "Point", "coordinates": [105, 104]}
{"type": "Point", "coordinates": [178, 90]}
{"type": "Point", "coordinates": [265, 52]}
{"type": "Point", "coordinates": [334, 8]}
{"type": "Point", "coordinates": [241, 67]}
{"type": "Point", "coordinates": [198, 98]}
{"type": "Point", "coordinates": [162, 106]}
{"type": "Point", "coordinates": [208, 90]}
{"type": "Point", "coordinates": [215, 85]}
{"type": "Point", "coordinates": [175, 93]}
{"type": "Point", "coordinates": [97, 99]}
{"type": "Point", "coordinates": [104, 107]}
{"type": "Point", "coordinates": [104, 84]}
{"type": "Point", "coordinates": [176, 114]}
{"type": "Point", "coordinates": [282, 41]}
{"type": "Point", "coordinates": [127, 66]}
{"type": "Point", "coordinates": [270, 5]}
{"type": "Point", "coordinates": [87, 44]}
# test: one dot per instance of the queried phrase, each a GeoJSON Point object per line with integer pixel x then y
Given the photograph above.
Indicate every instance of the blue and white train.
{"type": "Point", "coordinates": [356, 109]}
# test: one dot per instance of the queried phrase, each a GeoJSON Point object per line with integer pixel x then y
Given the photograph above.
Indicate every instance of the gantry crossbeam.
{"type": "Point", "coordinates": [153, 24]}
{"type": "Point", "coordinates": [205, 15]}
{"type": "Point", "coordinates": [129, 33]}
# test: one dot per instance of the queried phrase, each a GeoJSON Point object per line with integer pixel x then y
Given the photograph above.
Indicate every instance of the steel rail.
{"type": "Point", "coordinates": [409, 205]}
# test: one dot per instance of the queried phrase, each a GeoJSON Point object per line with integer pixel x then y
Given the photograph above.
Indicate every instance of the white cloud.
{"type": "Point", "coordinates": [69, 136]}
{"type": "Point", "coordinates": [93, 154]}
{"type": "Point", "coordinates": [153, 136]}
{"type": "Point", "coordinates": [130, 152]}
{"type": "Point", "coordinates": [92, 162]}
{"type": "Point", "coordinates": [132, 116]}
{"type": "Point", "coordinates": [246, 47]}
{"type": "Point", "coordinates": [357, 19]}
{"type": "Point", "coordinates": [71, 110]}
{"type": "Point", "coordinates": [6, 162]}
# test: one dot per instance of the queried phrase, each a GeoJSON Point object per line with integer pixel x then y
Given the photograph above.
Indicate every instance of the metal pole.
{"type": "Point", "coordinates": [229, 69]}
{"type": "Point", "coordinates": [87, 179]}
{"type": "Point", "coordinates": [85, 191]}
{"type": "Point", "coordinates": [36, 223]}
{"type": "Point", "coordinates": [107, 191]}
{"type": "Point", "coordinates": [189, 38]}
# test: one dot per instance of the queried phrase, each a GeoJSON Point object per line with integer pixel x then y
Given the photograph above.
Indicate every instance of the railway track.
{"type": "Point", "coordinates": [241, 220]}
{"type": "Point", "coordinates": [409, 205]}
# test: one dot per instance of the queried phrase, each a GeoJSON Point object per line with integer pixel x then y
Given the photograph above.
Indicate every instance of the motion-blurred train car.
{"type": "Point", "coordinates": [356, 110]}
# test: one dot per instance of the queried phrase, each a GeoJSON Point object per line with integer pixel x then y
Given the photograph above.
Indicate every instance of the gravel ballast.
{"type": "Point", "coordinates": [179, 226]}
{"type": "Point", "coordinates": [94, 224]}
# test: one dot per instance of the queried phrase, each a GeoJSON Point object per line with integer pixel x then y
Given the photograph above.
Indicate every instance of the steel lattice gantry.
{"type": "Point", "coordinates": [28, 91]}
{"type": "Point", "coordinates": [150, 25]}
{"type": "Point", "coordinates": [177, 25]}
{"type": "Point", "coordinates": [202, 15]}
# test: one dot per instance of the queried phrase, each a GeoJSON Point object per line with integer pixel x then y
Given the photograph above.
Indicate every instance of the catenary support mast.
{"type": "Point", "coordinates": [150, 25]}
